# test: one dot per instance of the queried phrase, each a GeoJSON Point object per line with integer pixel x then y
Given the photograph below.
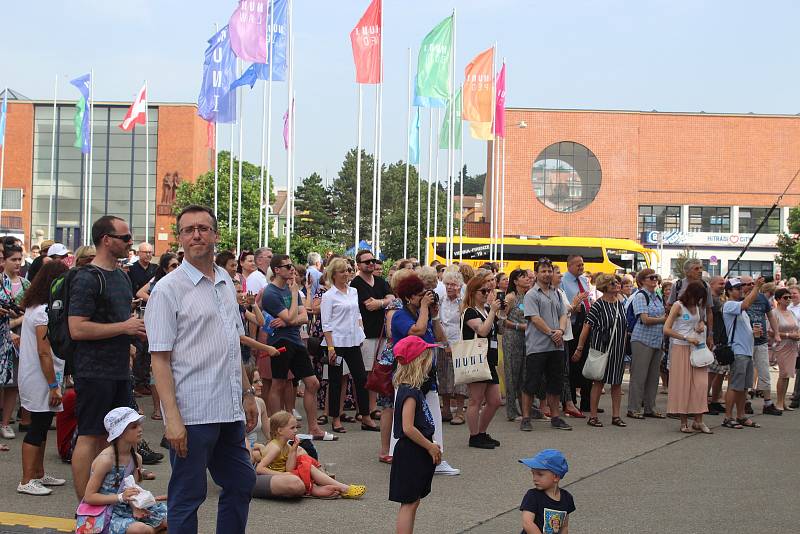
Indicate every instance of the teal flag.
{"type": "Point", "coordinates": [81, 138]}
{"type": "Point", "coordinates": [413, 139]}
{"type": "Point", "coordinates": [433, 65]}
{"type": "Point", "coordinates": [444, 134]}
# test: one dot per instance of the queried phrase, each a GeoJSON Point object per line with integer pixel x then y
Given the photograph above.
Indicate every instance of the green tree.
{"type": "Point", "coordinates": [789, 246]}
{"type": "Point", "coordinates": [202, 192]}
{"type": "Point", "coordinates": [343, 193]}
{"type": "Point", "coordinates": [473, 185]}
{"type": "Point", "coordinates": [684, 255]}
{"type": "Point", "coordinates": [314, 209]}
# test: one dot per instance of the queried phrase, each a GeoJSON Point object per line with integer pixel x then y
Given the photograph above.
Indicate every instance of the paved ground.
{"type": "Point", "coordinates": [645, 478]}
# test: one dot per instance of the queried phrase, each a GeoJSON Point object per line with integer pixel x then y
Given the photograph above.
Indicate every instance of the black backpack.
{"type": "Point", "coordinates": [58, 314]}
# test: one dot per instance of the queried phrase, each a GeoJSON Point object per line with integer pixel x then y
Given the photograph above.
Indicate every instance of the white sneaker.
{"type": "Point", "coordinates": [446, 469]}
{"type": "Point", "coordinates": [7, 432]}
{"type": "Point", "coordinates": [47, 480]}
{"type": "Point", "coordinates": [33, 487]}
{"type": "Point", "coordinates": [296, 414]}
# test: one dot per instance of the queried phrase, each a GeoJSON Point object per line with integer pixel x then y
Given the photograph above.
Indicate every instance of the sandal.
{"type": "Point", "coordinates": [686, 430]}
{"type": "Point", "coordinates": [617, 421]}
{"type": "Point", "coordinates": [4, 447]}
{"type": "Point", "coordinates": [655, 415]}
{"type": "Point", "coordinates": [344, 418]}
{"type": "Point", "coordinates": [375, 414]}
{"type": "Point", "coordinates": [447, 418]}
{"type": "Point", "coordinates": [701, 427]}
{"type": "Point", "coordinates": [338, 429]}
{"type": "Point", "coordinates": [156, 417]}
{"type": "Point", "coordinates": [458, 419]}
{"type": "Point", "coordinates": [322, 420]}
{"type": "Point", "coordinates": [635, 415]}
{"type": "Point", "coordinates": [731, 423]}
{"type": "Point", "coordinates": [749, 423]}
{"type": "Point", "coordinates": [594, 421]}
{"type": "Point", "coordinates": [355, 491]}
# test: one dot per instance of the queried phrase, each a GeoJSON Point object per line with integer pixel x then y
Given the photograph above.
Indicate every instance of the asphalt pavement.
{"type": "Point", "coordinates": [647, 477]}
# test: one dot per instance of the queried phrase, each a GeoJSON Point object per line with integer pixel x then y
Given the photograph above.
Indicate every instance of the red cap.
{"type": "Point", "coordinates": [409, 348]}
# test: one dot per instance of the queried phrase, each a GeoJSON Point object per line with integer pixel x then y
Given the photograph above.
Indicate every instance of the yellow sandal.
{"type": "Point", "coordinates": [355, 491]}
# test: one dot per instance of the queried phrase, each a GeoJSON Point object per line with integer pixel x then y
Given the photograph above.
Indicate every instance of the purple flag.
{"type": "Point", "coordinates": [216, 102]}
{"type": "Point", "coordinates": [249, 29]}
{"type": "Point", "coordinates": [286, 127]}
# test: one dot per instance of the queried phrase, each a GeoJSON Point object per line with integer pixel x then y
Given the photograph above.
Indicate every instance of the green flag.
{"type": "Point", "coordinates": [444, 135]}
{"type": "Point", "coordinates": [433, 65]}
{"type": "Point", "coordinates": [80, 111]}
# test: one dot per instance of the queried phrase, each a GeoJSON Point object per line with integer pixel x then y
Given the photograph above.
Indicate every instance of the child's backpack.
{"type": "Point", "coordinates": [58, 313]}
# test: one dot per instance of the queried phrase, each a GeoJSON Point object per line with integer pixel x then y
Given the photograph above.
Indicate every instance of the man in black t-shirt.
{"type": "Point", "coordinates": [142, 271]}
{"type": "Point", "coordinates": [101, 324]}
{"type": "Point", "coordinates": [374, 295]}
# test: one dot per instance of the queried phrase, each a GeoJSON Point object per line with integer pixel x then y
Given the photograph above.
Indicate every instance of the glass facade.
{"type": "Point", "coordinates": [709, 219]}
{"type": "Point", "coordinates": [118, 172]}
{"type": "Point", "coordinates": [659, 218]}
{"type": "Point", "coordinates": [752, 268]}
{"type": "Point", "coordinates": [750, 218]}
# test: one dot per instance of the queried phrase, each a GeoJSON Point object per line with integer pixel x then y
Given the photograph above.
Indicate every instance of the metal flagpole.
{"type": "Point", "coordinates": [451, 145]}
{"type": "Point", "coordinates": [216, 154]}
{"type": "Point", "coordinates": [376, 246]}
{"type": "Point", "coordinates": [503, 207]}
{"type": "Point", "coordinates": [91, 149]}
{"type": "Point", "coordinates": [290, 91]}
{"type": "Point", "coordinates": [146, 164]}
{"type": "Point", "coordinates": [461, 193]}
{"type": "Point", "coordinates": [263, 135]}
{"type": "Point", "coordinates": [419, 201]}
{"type": "Point", "coordinates": [436, 193]}
{"type": "Point", "coordinates": [495, 214]}
{"type": "Point", "coordinates": [294, 155]}
{"type": "Point", "coordinates": [269, 124]}
{"type": "Point", "coordinates": [408, 156]}
{"type": "Point", "coordinates": [430, 179]}
{"type": "Point", "coordinates": [52, 163]}
{"type": "Point", "coordinates": [3, 155]}
{"type": "Point", "coordinates": [239, 178]}
{"type": "Point", "coordinates": [358, 170]}
{"type": "Point", "coordinates": [230, 168]}
{"type": "Point", "coordinates": [375, 166]}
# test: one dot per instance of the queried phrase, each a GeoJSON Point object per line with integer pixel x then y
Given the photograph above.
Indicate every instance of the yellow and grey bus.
{"type": "Point", "coordinates": [599, 254]}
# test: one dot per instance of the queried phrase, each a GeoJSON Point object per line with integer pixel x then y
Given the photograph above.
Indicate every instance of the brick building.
{"type": "Point", "coordinates": [177, 152]}
{"type": "Point", "coordinates": [671, 180]}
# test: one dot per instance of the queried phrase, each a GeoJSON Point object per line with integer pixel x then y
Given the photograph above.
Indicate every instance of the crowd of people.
{"type": "Point", "coordinates": [256, 331]}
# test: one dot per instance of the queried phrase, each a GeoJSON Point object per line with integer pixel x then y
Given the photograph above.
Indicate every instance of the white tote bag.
{"type": "Point", "coordinates": [596, 361]}
{"type": "Point", "coordinates": [470, 362]}
{"type": "Point", "coordinates": [701, 356]}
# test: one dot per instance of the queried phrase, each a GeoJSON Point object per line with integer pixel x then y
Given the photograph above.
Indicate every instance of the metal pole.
{"type": "Point", "coordinates": [50, 229]}
{"type": "Point", "coordinates": [239, 178]}
{"type": "Point", "coordinates": [436, 193]}
{"type": "Point", "coordinates": [290, 92]}
{"type": "Point", "coordinates": [408, 156]}
{"type": "Point", "coordinates": [358, 171]}
{"type": "Point", "coordinates": [269, 127]}
{"type": "Point", "coordinates": [461, 192]}
{"type": "Point", "coordinates": [146, 164]}
{"type": "Point", "coordinates": [91, 150]}
{"type": "Point", "coordinates": [430, 179]}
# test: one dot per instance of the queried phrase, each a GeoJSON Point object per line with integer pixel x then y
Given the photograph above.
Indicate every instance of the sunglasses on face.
{"type": "Point", "coordinates": [653, 277]}
{"type": "Point", "coordinates": [484, 290]}
{"type": "Point", "coordinates": [288, 266]}
{"type": "Point", "coordinates": [348, 270]}
{"type": "Point", "coordinates": [373, 261]}
{"type": "Point", "coordinates": [786, 297]}
{"type": "Point", "coordinates": [124, 237]}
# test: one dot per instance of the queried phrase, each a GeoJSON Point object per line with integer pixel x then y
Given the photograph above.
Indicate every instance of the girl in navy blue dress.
{"type": "Point", "coordinates": [416, 455]}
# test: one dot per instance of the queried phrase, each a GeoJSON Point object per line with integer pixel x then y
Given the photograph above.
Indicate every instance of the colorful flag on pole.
{"type": "Point", "coordinates": [248, 77]}
{"type": "Point", "coordinates": [137, 112]}
{"type": "Point", "coordinates": [426, 101]}
{"type": "Point", "coordinates": [500, 104]}
{"type": "Point", "coordinates": [286, 119]}
{"type": "Point", "coordinates": [413, 139]}
{"type": "Point", "coordinates": [478, 88]}
{"type": "Point", "coordinates": [433, 64]}
{"type": "Point", "coordinates": [216, 103]}
{"type": "Point", "coordinates": [250, 30]}
{"type": "Point", "coordinates": [444, 135]}
{"type": "Point", "coordinates": [481, 130]}
{"type": "Point", "coordinates": [367, 41]}
{"type": "Point", "coordinates": [82, 83]}
{"type": "Point", "coordinates": [3, 112]}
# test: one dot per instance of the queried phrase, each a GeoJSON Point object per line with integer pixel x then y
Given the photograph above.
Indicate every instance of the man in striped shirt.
{"type": "Point", "coordinates": [193, 326]}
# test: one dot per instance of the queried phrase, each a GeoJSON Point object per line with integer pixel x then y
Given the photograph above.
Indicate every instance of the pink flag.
{"type": "Point", "coordinates": [366, 41]}
{"type": "Point", "coordinates": [500, 104]}
{"type": "Point", "coordinates": [248, 30]}
{"type": "Point", "coordinates": [286, 120]}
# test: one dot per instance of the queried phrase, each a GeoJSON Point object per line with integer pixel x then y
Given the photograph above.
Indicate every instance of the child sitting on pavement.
{"type": "Point", "coordinates": [283, 455]}
{"type": "Point", "coordinates": [546, 508]}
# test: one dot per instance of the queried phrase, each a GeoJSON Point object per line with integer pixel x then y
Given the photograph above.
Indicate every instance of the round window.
{"type": "Point", "coordinates": [566, 177]}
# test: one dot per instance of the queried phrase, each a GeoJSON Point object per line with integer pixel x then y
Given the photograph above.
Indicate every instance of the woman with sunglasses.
{"type": "Point", "coordinates": [343, 334]}
{"type": "Point", "coordinates": [606, 324]}
{"type": "Point", "coordinates": [785, 351]}
{"type": "Point", "coordinates": [480, 316]}
{"type": "Point", "coordinates": [646, 341]}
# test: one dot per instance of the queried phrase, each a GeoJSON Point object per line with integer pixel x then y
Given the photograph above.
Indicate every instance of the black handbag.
{"type": "Point", "coordinates": [724, 353]}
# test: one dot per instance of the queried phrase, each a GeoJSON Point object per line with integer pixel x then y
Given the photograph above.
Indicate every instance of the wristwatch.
{"type": "Point", "coordinates": [249, 391]}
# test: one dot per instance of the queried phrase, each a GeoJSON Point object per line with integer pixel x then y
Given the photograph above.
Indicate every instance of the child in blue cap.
{"type": "Point", "coordinates": [546, 507]}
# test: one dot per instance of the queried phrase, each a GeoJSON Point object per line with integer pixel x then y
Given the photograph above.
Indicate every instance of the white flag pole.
{"type": "Point", "coordinates": [503, 207]}
{"type": "Point", "coordinates": [261, 169]}
{"type": "Point", "coordinates": [230, 166]}
{"type": "Point", "coordinates": [495, 189]}
{"type": "Point", "coordinates": [408, 156]}
{"type": "Point", "coordinates": [91, 150]}
{"type": "Point", "coordinates": [436, 178]}
{"type": "Point", "coordinates": [358, 170]}
{"type": "Point", "coordinates": [290, 92]}
{"type": "Point", "coordinates": [430, 180]}
{"type": "Point", "coordinates": [419, 198]}
{"type": "Point", "coordinates": [239, 177]}
{"type": "Point", "coordinates": [294, 155]}
{"type": "Point", "coordinates": [50, 229]}
{"type": "Point", "coordinates": [216, 154]}
{"type": "Point", "coordinates": [461, 192]}
{"type": "Point", "coordinates": [269, 124]}
{"type": "Point", "coordinates": [375, 166]}
{"type": "Point", "coordinates": [451, 146]}
{"type": "Point", "coordinates": [146, 164]}
{"type": "Point", "coordinates": [3, 155]}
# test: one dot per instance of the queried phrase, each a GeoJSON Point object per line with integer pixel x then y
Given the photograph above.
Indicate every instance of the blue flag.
{"type": "Point", "coordinates": [3, 111]}
{"type": "Point", "coordinates": [82, 113]}
{"type": "Point", "coordinates": [427, 101]}
{"type": "Point", "coordinates": [216, 102]}
{"type": "Point", "coordinates": [280, 33]}
{"type": "Point", "coordinates": [249, 76]}
{"type": "Point", "coordinates": [413, 139]}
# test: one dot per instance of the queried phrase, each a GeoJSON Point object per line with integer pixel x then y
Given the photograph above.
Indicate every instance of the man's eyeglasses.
{"type": "Point", "coordinates": [124, 237]}
{"type": "Point", "coordinates": [289, 266]}
{"type": "Point", "coordinates": [373, 261]}
{"type": "Point", "coordinates": [190, 230]}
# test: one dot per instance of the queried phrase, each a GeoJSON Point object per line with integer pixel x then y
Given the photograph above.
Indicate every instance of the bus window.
{"type": "Point", "coordinates": [624, 259]}
{"type": "Point", "coordinates": [640, 262]}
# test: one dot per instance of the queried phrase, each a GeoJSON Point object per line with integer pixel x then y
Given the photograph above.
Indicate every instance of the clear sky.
{"type": "Point", "coordinates": [669, 55]}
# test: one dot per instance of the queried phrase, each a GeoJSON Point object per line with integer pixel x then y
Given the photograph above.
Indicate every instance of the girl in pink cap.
{"type": "Point", "coordinates": [416, 455]}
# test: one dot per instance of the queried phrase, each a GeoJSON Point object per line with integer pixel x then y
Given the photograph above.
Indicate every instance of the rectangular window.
{"type": "Point", "coordinates": [659, 218]}
{"type": "Point", "coordinates": [709, 219]}
{"type": "Point", "coordinates": [750, 218]}
{"type": "Point", "coordinates": [752, 268]}
{"type": "Point", "coordinates": [12, 199]}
